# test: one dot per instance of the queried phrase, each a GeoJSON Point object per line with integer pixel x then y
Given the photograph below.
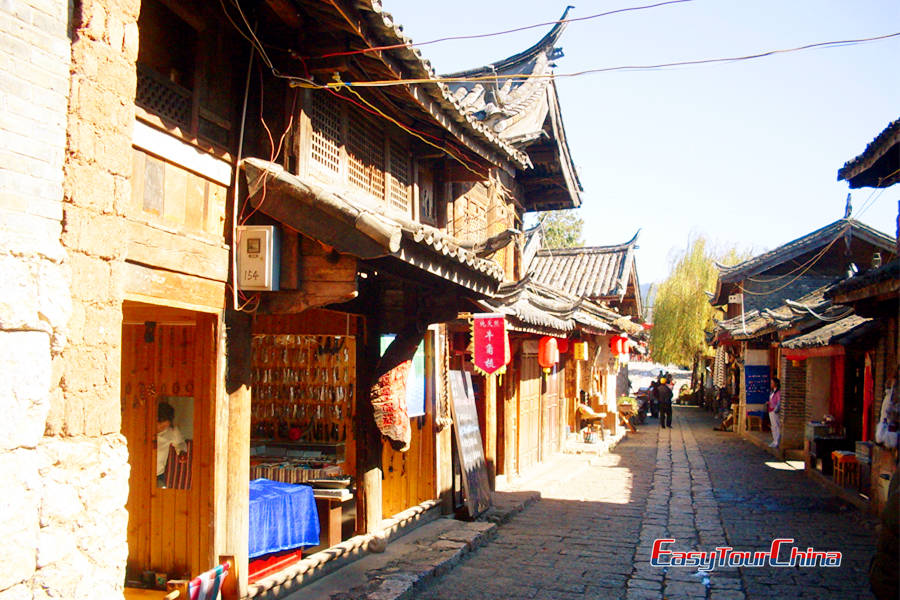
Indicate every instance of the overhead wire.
{"type": "Point", "coordinates": [799, 275]}
{"type": "Point", "coordinates": [659, 66]}
{"type": "Point", "coordinates": [495, 33]}
{"type": "Point", "coordinates": [414, 133]}
{"type": "Point", "coordinates": [795, 269]}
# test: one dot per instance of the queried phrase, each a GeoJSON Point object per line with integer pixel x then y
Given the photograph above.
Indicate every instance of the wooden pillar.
{"type": "Point", "coordinates": [490, 426]}
{"type": "Point", "coordinates": [444, 443]}
{"type": "Point", "coordinates": [237, 482]}
{"type": "Point", "coordinates": [368, 437]}
{"type": "Point", "coordinates": [290, 259]}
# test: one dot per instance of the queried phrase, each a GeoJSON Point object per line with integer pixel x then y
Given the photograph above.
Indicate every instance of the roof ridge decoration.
{"type": "Point", "coordinates": [592, 249]}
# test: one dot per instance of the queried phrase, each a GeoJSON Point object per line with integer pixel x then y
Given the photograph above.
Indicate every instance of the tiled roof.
{"type": "Point", "coordinates": [810, 309]}
{"type": "Point", "coordinates": [536, 308]}
{"type": "Point", "coordinates": [594, 272]}
{"type": "Point", "coordinates": [803, 244]}
{"type": "Point", "coordinates": [522, 108]}
{"type": "Point", "coordinates": [885, 148]}
{"type": "Point", "coordinates": [340, 219]}
{"type": "Point", "coordinates": [888, 272]}
{"type": "Point", "coordinates": [390, 33]}
{"type": "Point", "coordinates": [827, 334]}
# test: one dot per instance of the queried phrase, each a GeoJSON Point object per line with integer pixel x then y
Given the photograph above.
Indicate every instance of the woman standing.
{"type": "Point", "coordinates": [774, 406]}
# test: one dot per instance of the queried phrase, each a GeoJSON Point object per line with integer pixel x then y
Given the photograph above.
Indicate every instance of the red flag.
{"type": "Point", "coordinates": [489, 349]}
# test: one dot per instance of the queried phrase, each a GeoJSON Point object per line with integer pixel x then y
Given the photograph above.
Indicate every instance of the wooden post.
{"type": "Point", "coordinates": [290, 259]}
{"type": "Point", "coordinates": [443, 445]}
{"type": "Point", "coordinates": [490, 426]}
{"type": "Point", "coordinates": [237, 482]}
{"type": "Point", "coordinates": [369, 447]}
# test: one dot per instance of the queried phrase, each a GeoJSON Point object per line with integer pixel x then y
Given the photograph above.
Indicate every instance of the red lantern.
{"type": "Point", "coordinates": [618, 345]}
{"type": "Point", "coordinates": [562, 345]}
{"type": "Point", "coordinates": [548, 353]}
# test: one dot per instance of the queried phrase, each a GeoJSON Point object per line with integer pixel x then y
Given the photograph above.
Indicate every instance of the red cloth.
{"type": "Point", "coordinates": [836, 399]}
{"type": "Point", "coordinates": [388, 397]}
{"type": "Point", "coordinates": [868, 400]}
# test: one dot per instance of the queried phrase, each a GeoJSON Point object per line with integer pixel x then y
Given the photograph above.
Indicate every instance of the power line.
{"type": "Point", "coordinates": [659, 66]}
{"type": "Point", "coordinates": [498, 33]}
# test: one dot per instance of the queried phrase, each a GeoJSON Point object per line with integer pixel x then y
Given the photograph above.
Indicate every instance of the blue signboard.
{"type": "Point", "coordinates": [756, 382]}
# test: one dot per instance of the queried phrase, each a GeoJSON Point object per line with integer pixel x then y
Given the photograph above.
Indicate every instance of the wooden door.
{"type": "Point", "coordinates": [550, 415]}
{"type": "Point", "coordinates": [529, 412]}
{"type": "Point", "coordinates": [510, 438]}
{"type": "Point", "coordinates": [168, 355]}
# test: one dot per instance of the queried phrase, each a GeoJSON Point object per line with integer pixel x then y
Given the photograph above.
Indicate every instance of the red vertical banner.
{"type": "Point", "coordinates": [868, 399]}
{"type": "Point", "coordinates": [489, 345]}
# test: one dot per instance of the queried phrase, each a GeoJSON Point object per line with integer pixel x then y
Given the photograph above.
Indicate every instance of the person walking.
{"type": "Point", "coordinates": [774, 406]}
{"type": "Point", "coordinates": [653, 397]}
{"type": "Point", "coordinates": [664, 393]}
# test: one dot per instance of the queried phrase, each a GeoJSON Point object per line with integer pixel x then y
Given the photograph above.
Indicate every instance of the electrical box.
{"type": "Point", "coordinates": [258, 258]}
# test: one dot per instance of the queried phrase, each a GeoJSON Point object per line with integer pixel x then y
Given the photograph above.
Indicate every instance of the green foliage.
{"type": "Point", "coordinates": [682, 313]}
{"type": "Point", "coordinates": [561, 228]}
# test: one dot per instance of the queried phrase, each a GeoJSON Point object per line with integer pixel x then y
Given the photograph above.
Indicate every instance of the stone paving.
{"type": "Point", "coordinates": [591, 534]}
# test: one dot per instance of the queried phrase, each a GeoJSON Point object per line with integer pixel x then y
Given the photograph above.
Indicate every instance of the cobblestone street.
{"type": "Point", "coordinates": [591, 534]}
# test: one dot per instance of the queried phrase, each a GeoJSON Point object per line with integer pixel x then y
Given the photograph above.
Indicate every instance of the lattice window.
{"type": "Point", "coordinates": [162, 97]}
{"type": "Point", "coordinates": [398, 198]}
{"type": "Point", "coordinates": [325, 121]}
{"type": "Point", "coordinates": [365, 153]}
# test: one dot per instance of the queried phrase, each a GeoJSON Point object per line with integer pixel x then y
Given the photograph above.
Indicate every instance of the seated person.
{"type": "Point", "coordinates": [167, 435]}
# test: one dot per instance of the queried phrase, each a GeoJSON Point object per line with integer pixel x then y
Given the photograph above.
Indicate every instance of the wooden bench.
{"type": "Point", "coordinates": [754, 422]}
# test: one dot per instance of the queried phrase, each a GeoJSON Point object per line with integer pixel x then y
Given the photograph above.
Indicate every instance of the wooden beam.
{"type": "Point", "coordinates": [455, 172]}
{"type": "Point", "coordinates": [173, 251]}
{"type": "Point", "coordinates": [287, 12]}
{"type": "Point", "coordinates": [172, 289]}
{"type": "Point", "coordinates": [298, 301]}
{"type": "Point", "coordinates": [887, 289]}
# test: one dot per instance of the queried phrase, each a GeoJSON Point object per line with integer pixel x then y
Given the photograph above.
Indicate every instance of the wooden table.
{"type": "Point", "coordinates": [329, 503]}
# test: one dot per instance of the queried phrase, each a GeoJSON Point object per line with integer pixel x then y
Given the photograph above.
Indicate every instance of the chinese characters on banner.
{"type": "Point", "coordinates": [490, 350]}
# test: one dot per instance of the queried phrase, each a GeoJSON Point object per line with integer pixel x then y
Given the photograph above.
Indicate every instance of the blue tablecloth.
{"type": "Point", "coordinates": [282, 516]}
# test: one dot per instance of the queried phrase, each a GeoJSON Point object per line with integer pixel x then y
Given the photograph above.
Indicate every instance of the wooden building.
{"type": "Point", "coordinates": [199, 136]}
{"type": "Point", "coordinates": [749, 293]}
{"type": "Point", "coordinates": [380, 213]}
{"type": "Point", "coordinates": [874, 294]}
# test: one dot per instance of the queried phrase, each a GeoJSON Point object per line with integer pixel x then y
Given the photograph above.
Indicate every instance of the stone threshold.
{"type": "Point", "coordinates": [318, 565]}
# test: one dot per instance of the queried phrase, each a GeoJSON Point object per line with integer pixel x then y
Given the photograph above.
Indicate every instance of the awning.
{"type": "Point", "coordinates": [353, 225]}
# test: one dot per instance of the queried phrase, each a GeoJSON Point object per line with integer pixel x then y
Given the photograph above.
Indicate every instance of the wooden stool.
{"type": "Point", "coordinates": [846, 468]}
{"type": "Point", "coordinates": [754, 421]}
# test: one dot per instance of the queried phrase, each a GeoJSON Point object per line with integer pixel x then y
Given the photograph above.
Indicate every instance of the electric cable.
{"type": "Point", "coordinates": [496, 33]}
{"type": "Point", "coordinates": [778, 289]}
{"type": "Point", "coordinates": [659, 66]}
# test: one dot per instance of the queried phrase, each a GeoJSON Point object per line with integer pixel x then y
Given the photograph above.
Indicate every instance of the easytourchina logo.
{"type": "Point", "coordinates": [782, 553]}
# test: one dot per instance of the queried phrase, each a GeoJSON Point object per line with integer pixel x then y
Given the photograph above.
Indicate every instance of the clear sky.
{"type": "Point", "coordinates": [745, 153]}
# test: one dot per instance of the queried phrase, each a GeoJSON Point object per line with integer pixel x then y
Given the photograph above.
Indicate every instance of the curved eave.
{"type": "Point", "coordinates": [566, 189]}
{"type": "Point", "coordinates": [433, 96]}
{"type": "Point", "coordinates": [511, 63]}
{"type": "Point", "coordinates": [879, 163]}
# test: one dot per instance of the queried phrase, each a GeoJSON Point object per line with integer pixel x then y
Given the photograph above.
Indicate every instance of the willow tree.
{"type": "Point", "coordinates": [682, 313]}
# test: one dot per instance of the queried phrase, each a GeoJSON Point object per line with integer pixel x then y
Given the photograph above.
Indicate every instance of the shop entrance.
{"type": "Point", "coordinates": [168, 387]}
